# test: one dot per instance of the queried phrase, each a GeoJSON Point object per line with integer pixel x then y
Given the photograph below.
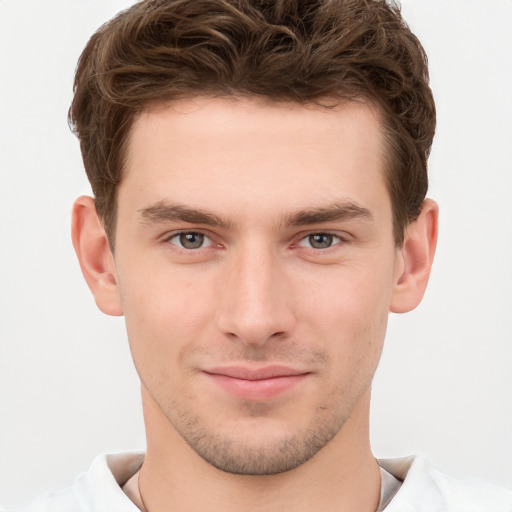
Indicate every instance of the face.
{"type": "Point", "coordinates": [255, 262]}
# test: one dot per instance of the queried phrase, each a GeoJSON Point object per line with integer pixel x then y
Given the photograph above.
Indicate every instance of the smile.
{"type": "Point", "coordinates": [256, 384]}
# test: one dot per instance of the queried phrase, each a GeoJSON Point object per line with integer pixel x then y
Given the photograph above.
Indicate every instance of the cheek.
{"type": "Point", "coordinates": [164, 317]}
{"type": "Point", "coordinates": [347, 295]}
{"type": "Point", "coordinates": [348, 312]}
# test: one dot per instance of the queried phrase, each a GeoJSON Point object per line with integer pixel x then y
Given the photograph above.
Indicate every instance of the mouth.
{"type": "Point", "coordinates": [256, 384]}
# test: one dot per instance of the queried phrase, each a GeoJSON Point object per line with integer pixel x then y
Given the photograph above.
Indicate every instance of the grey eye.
{"type": "Point", "coordinates": [321, 240]}
{"type": "Point", "coordinates": [191, 240]}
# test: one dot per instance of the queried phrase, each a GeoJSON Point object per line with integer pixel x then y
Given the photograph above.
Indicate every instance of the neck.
{"type": "Point", "coordinates": [342, 476]}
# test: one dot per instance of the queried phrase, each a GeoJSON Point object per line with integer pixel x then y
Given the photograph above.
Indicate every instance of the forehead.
{"type": "Point", "coordinates": [256, 151]}
{"type": "Point", "coordinates": [237, 117]}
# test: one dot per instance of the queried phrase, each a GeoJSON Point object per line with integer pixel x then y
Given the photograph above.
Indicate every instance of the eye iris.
{"type": "Point", "coordinates": [320, 241]}
{"type": "Point", "coordinates": [191, 240]}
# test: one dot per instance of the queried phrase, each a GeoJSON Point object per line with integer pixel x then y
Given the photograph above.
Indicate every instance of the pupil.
{"type": "Point", "coordinates": [320, 241]}
{"type": "Point", "coordinates": [191, 240]}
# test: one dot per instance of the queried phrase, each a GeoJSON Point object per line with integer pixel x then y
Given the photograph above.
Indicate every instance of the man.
{"type": "Point", "coordinates": [259, 172]}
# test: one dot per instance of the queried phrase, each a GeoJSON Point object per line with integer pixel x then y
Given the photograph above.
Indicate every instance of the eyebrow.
{"type": "Point", "coordinates": [335, 212]}
{"type": "Point", "coordinates": [164, 212]}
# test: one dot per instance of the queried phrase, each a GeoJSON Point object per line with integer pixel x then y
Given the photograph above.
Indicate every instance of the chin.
{"type": "Point", "coordinates": [275, 449]}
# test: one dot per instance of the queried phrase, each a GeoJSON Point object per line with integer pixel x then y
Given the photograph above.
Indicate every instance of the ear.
{"type": "Point", "coordinates": [416, 257]}
{"type": "Point", "coordinates": [96, 260]}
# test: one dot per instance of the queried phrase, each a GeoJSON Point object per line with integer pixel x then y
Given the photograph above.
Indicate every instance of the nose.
{"type": "Point", "coordinates": [255, 304]}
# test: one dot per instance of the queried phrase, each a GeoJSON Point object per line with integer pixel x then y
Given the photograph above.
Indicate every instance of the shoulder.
{"type": "Point", "coordinates": [426, 489]}
{"type": "Point", "coordinates": [97, 490]}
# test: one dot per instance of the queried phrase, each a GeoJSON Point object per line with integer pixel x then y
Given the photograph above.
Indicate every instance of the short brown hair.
{"type": "Point", "coordinates": [292, 50]}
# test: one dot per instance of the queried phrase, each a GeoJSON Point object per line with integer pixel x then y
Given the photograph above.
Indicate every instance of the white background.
{"type": "Point", "coordinates": [67, 386]}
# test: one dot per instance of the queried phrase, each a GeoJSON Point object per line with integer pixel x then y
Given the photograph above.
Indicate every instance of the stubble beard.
{"type": "Point", "coordinates": [245, 456]}
{"type": "Point", "coordinates": [243, 453]}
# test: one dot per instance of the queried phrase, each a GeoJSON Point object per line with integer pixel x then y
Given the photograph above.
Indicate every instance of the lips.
{"type": "Point", "coordinates": [257, 384]}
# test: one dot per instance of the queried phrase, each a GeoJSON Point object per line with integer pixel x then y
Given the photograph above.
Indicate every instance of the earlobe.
{"type": "Point", "coordinates": [417, 255]}
{"type": "Point", "coordinates": [96, 260]}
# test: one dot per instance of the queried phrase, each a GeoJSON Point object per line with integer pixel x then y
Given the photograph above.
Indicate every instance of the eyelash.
{"type": "Point", "coordinates": [179, 234]}
{"type": "Point", "coordinates": [336, 240]}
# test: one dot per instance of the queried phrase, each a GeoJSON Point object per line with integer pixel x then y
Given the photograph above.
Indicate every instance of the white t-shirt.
{"type": "Point", "coordinates": [423, 489]}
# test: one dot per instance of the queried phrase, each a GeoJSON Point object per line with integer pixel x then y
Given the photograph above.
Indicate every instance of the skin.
{"type": "Point", "coordinates": [253, 234]}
